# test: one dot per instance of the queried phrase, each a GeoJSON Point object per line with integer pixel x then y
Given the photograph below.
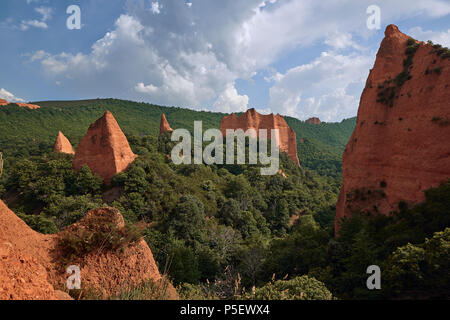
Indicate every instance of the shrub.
{"type": "Point", "coordinates": [299, 288]}
{"type": "Point", "coordinates": [187, 291]}
{"type": "Point", "coordinates": [103, 231]}
{"type": "Point", "coordinates": [148, 290]}
{"type": "Point", "coordinates": [421, 270]}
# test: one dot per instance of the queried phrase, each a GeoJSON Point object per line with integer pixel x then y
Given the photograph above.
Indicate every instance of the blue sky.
{"type": "Point", "coordinates": [301, 58]}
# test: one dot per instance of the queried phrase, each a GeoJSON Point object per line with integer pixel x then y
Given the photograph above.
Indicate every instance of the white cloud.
{"type": "Point", "coordinates": [25, 25]}
{"type": "Point", "coordinates": [46, 12]}
{"type": "Point", "coordinates": [230, 101]}
{"type": "Point", "coordinates": [189, 55]}
{"type": "Point", "coordinates": [4, 94]}
{"type": "Point", "coordinates": [38, 55]}
{"type": "Point", "coordinates": [142, 88]}
{"type": "Point", "coordinates": [329, 87]}
{"type": "Point", "coordinates": [440, 37]}
{"type": "Point", "coordinates": [341, 40]}
{"type": "Point", "coordinates": [156, 8]}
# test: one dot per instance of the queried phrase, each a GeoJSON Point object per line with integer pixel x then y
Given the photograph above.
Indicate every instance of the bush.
{"type": "Point", "coordinates": [421, 270]}
{"type": "Point", "coordinates": [299, 288]}
{"type": "Point", "coordinates": [100, 232]}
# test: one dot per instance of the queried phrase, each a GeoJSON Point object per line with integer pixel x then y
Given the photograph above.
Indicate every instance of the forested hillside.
{"type": "Point", "coordinates": [219, 230]}
{"type": "Point", "coordinates": [34, 131]}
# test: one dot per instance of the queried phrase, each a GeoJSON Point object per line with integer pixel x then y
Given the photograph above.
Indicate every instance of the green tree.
{"type": "Point", "coordinates": [188, 220]}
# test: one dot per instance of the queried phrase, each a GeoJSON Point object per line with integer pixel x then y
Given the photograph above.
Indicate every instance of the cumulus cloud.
{"type": "Point", "coordinates": [230, 101]}
{"type": "Point", "coordinates": [4, 94]}
{"type": "Point", "coordinates": [190, 55]}
{"type": "Point", "coordinates": [329, 87]}
{"type": "Point", "coordinates": [440, 37]}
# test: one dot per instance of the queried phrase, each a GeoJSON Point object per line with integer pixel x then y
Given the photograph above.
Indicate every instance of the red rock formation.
{"type": "Point", "coordinates": [164, 126]}
{"type": "Point", "coordinates": [29, 106]}
{"type": "Point", "coordinates": [62, 144]}
{"type": "Point", "coordinates": [30, 262]}
{"type": "Point", "coordinates": [313, 121]}
{"type": "Point", "coordinates": [255, 120]}
{"type": "Point", "coordinates": [400, 147]}
{"type": "Point", "coordinates": [3, 102]}
{"type": "Point", "coordinates": [104, 149]}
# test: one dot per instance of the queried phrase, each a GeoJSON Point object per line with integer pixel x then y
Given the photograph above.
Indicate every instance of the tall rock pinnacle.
{"type": "Point", "coordinates": [400, 146]}
{"type": "Point", "coordinates": [104, 149]}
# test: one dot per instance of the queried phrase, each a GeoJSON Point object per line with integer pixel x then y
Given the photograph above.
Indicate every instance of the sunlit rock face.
{"type": "Point", "coordinates": [400, 146]}
{"type": "Point", "coordinates": [63, 145]}
{"type": "Point", "coordinates": [104, 149]}
{"type": "Point", "coordinates": [254, 120]}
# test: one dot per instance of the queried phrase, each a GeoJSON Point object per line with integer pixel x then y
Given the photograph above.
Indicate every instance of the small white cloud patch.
{"type": "Point", "coordinates": [4, 94]}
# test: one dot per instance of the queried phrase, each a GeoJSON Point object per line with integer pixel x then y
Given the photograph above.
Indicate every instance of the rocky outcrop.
{"type": "Point", "coordinates": [314, 120]}
{"type": "Point", "coordinates": [164, 126]}
{"type": "Point", "coordinates": [63, 145]}
{"type": "Point", "coordinates": [400, 146]}
{"type": "Point", "coordinates": [104, 149]}
{"type": "Point", "coordinates": [3, 102]}
{"type": "Point", "coordinates": [31, 266]}
{"type": "Point", "coordinates": [253, 119]}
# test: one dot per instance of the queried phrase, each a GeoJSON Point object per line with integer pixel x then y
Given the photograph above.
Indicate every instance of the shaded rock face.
{"type": "Point", "coordinates": [314, 121]}
{"type": "Point", "coordinates": [164, 126]}
{"type": "Point", "coordinates": [400, 147]}
{"type": "Point", "coordinates": [62, 144]}
{"type": "Point", "coordinates": [104, 149]}
{"type": "Point", "coordinates": [255, 120]}
{"type": "Point", "coordinates": [30, 267]}
{"type": "Point", "coordinates": [3, 102]}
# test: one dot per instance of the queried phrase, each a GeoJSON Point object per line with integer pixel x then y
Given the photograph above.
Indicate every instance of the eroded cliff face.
{"type": "Point", "coordinates": [104, 149]}
{"type": "Point", "coordinates": [164, 125]}
{"type": "Point", "coordinates": [31, 266]}
{"type": "Point", "coordinates": [253, 119]}
{"type": "Point", "coordinates": [63, 145]}
{"type": "Point", "coordinates": [400, 146]}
